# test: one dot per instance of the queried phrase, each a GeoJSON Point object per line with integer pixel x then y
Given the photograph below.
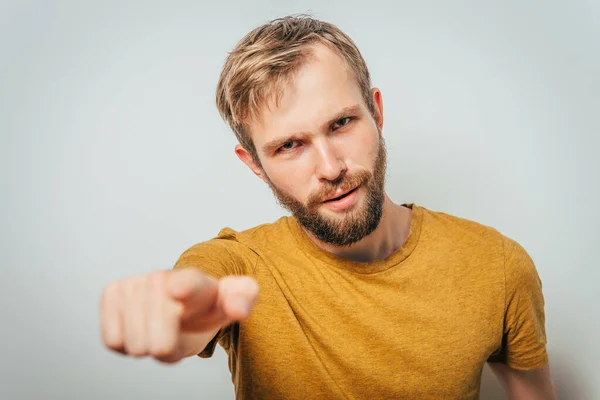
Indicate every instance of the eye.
{"type": "Point", "coordinates": [340, 123]}
{"type": "Point", "coordinates": [287, 146]}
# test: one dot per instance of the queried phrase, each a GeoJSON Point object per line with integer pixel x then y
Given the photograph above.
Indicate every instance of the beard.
{"type": "Point", "coordinates": [358, 222]}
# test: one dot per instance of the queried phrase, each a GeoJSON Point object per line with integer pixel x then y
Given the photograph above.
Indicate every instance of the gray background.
{"type": "Point", "coordinates": [114, 161]}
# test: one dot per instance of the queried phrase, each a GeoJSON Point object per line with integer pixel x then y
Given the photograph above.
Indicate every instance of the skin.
{"type": "Point", "coordinates": [318, 150]}
{"type": "Point", "coordinates": [313, 153]}
{"type": "Point", "coordinates": [169, 315]}
{"type": "Point", "coordinates": [535, 384]}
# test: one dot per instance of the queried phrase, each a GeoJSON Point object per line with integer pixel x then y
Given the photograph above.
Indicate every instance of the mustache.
{"type": "Point", "coordinates": [344, 183]}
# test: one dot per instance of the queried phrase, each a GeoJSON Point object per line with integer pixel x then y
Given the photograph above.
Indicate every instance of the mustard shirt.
{"type": "Point", "coordinates": [420, 324]}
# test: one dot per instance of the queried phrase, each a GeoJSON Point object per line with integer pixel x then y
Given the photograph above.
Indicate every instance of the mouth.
{"type": "Point", "coordinates": [340, 197]}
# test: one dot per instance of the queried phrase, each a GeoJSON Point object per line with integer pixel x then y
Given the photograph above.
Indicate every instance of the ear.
{"type": "Point", "coordinates": [247, 159]}
{"type": "Point", "coordinates": [378, 103]}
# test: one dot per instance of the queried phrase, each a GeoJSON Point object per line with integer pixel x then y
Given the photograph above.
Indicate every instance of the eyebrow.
{"type": "Point", "coordinates": [276, 143]}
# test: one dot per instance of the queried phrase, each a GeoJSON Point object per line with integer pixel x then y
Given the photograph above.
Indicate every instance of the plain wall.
{"type": "Point", "coordinates": [115, 160]}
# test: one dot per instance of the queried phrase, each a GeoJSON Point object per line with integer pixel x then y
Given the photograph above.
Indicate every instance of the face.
{"type": "Point", "coordinates": [322, 153]}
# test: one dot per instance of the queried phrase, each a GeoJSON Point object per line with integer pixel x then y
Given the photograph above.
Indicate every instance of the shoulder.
{"type": "Point", "coordinates": [261, 233]}
{"type": "Point", "coordinates": [519, 268]}
{"type": "Point", "coordinates": [481, 239]}
{"type": "Point", "coordinates": [233, 247]}
{"type": "Point", "coordinates": [460, 232]}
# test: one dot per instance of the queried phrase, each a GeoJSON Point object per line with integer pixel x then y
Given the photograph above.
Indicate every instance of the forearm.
{"type": "Point", "coordinates": [535, 384]}
{"type": "Point", "coordinates": [192, 344]}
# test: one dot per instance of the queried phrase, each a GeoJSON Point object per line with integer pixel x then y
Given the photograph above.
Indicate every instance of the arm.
{"type": "Point", "coordinates": [192, 344]}
{"type": "Point", "coordinates": [533, 384]}
{"type": "Point", "coordinates": [222, 258]}
{"type": "Point", "coordinates": [521, 363]}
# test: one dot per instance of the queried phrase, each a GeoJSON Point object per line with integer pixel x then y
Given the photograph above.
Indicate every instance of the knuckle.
{"type": "Point", "coordinates": [111, 335]}
{"type": "Point", "coordinates": [133, 287]}
{"type": "Point", "coordinates": [163, 350]}
{"type": "Point", "coordinates": [135, 350]}
{"type": "Point", "coordinates": [113, 344]}
{"type": "Point", "coordinates": [156, 280]}
{"type": "Point", "coordinates": [169, 359]}
{"type": "Point", "coordinates": [113, 289]}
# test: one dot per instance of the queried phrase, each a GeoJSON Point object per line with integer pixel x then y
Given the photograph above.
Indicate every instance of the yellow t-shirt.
{"type": "Point", "coordinates": [418, 325]}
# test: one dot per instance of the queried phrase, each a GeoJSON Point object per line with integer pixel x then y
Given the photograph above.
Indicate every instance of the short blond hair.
{"type": "Point", "coordinates": [264, 60]}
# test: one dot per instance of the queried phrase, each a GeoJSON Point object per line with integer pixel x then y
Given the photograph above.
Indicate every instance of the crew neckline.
{"type": "Point", "coordinates": [369, 267]}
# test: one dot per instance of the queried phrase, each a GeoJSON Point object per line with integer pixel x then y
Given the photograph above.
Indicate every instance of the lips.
{"type": "Point", "coordinates": [339, 195]}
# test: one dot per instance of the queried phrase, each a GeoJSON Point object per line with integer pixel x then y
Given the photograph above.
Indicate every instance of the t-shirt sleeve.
{"type": "Point", "coordinates": [524, 335]}
{"type": "Point", "coordinates": [219, 257]}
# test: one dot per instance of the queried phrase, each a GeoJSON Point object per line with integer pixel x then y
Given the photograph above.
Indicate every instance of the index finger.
{"type": "Point", "coordinates": [193, 288]}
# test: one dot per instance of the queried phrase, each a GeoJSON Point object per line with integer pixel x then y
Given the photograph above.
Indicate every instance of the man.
{"type": "Point", "coordinates": [360, 297]}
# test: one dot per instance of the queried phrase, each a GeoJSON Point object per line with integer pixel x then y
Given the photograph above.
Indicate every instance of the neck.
{"type": "Point", "coordinates": [390, 235]}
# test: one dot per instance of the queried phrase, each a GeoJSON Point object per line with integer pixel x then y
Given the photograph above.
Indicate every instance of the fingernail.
{"type": "Point", "coordinates": [241, 304]}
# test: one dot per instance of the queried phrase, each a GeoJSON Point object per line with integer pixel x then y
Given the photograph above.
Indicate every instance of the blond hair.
{"type": "Point", "coordinates": [264, 60]}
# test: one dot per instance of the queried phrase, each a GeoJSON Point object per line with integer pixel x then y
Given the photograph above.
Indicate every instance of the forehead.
{"type": "Point", "coordinates": [320, 88]}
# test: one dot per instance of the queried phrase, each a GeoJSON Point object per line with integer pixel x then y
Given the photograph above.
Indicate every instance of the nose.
{"type": "Point", "coordinates": [330, 166]}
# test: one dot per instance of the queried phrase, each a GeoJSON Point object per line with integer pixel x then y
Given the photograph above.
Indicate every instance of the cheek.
{"type": "Point", "coordinates": [292, 177]}
{"type": "Point", "coordinates": [361, 150]}
{"type": "Point", "coordinates": [373, 151]}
